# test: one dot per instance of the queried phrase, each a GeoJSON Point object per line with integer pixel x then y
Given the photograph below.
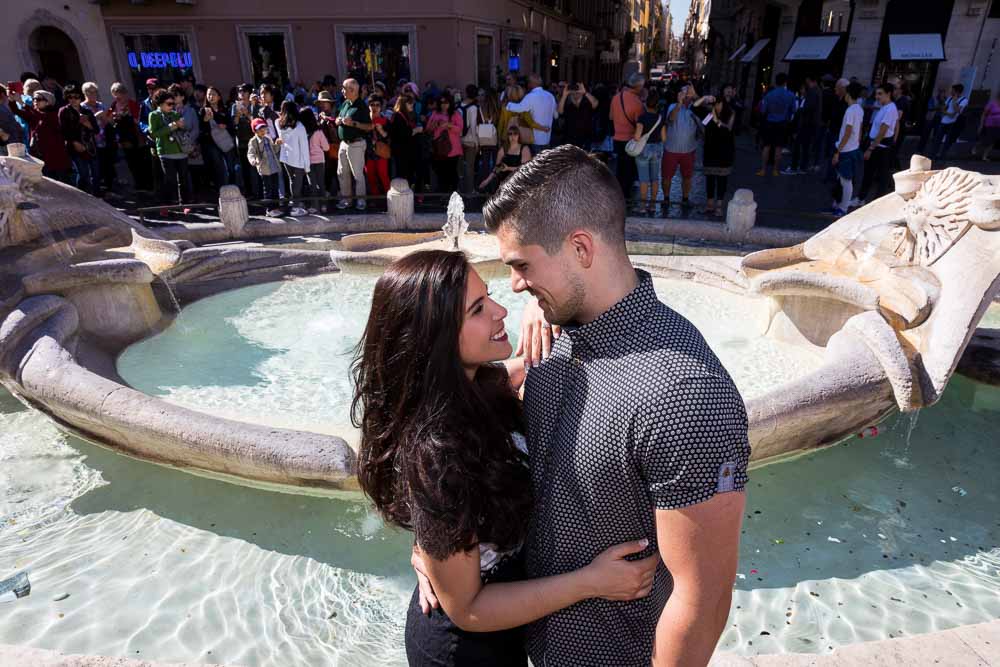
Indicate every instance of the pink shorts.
{"type": "Point", "coordinates": [673, 160]}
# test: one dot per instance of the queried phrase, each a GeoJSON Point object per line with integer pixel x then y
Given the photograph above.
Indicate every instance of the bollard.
{"type": "Point", "coordinates": [27, 168]}
{"type": "Point", "coordinates": [741, 215]}
{"type": "Point", "coordinates": [399, 203]}
{"type": "Point", "coordinates": [233, 210]}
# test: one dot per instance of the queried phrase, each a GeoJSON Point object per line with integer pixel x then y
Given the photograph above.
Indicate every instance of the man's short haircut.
{"type": "Point", "coordinates": [118, 86]}
{"type": "Point", "coordinates": [781, 79]}
{"type": "Point", "coordinates": [89, 86]}
{"type": "Point", "coordinates": [855, 90]}
{"type": "Point", "coordinates": [844, 83]}
{"type": "Point", "coordinates": [636, 79]}
{"type": "Point", "coordinates": [560, 190]}
{"type": "Point", "coordinates": [888, 88]}
{"type": "Point", "coordinates": [959, 88]}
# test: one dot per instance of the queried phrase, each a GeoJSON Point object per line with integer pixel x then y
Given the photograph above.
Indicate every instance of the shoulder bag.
{"type": "Point", "coordinates": [221, 137]}
{"type": "Point", "coordinates": [486, 132]}
{"type": "Point", "coordinates": [635, 146]}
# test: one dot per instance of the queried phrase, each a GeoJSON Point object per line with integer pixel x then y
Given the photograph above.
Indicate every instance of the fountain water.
{"type": "Point", "coordinates": [456, 225]}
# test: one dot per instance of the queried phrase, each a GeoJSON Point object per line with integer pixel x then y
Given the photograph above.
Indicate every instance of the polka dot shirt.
{"type": "Point", "coordinates": [633, 412]}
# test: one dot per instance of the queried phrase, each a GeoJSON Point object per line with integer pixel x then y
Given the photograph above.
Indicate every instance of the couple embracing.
{"type": "Point", "coordinates": [594, 522]}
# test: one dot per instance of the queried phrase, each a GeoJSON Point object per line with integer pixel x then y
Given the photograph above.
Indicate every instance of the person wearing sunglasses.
{"type": "Point", "coordinates": [511, 156]}
{"type": "Point", "coordinates": [45, 138]}
{"type": "Point", "coordinates": [79, 130]}
{"type": "Point", "coordinates": [164, 123]}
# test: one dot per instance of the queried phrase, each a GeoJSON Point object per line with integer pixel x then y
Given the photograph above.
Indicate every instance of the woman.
{"type": "Point", "coordinates": [218, 146]}
{"type": "Point", "coordinates": [718, 156]}
{"type": "Point", "coordinates": [577, 107]}
{"type": "Point", "coordinates": [125, 127]}
{"type": "Point", "coordinates": [79, 130]}
{"type": "Point", "coordinates": [522, 119]}
{"type": "Point", "coordinates": [164, 124]}
{"type": "Point", "coordinates": [510, 157]}
{"type": "Point", "coordinates": [318, 147]}
{"type": "Point", "coordinates": [989, 129]}
{"type": "Point", "coordinates": [45, 134]}
{"type": "Point", "coordinates": [377, 168]}
{"type": "Point", "coordinates": [294, 145]}
{"type": "Point", "coordinates": [445, 123]}
{"type": "Point", "coordinates": [648, 162]}
{"type": "Point", "coordinates": [403, 130]}
{"type": "Point", "coordinates": [107, 149]}
{"type": "Point", "coordinates": [441, 455]}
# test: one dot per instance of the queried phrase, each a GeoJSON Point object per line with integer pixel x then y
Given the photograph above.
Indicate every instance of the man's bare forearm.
{"type": "Point", "coordinates": [689, 629]}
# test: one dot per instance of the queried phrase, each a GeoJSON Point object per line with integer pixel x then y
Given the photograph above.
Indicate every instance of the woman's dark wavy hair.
{"type": "Point", "coordinates": [436, 453]}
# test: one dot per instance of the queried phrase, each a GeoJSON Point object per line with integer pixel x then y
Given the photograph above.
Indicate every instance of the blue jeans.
{"type": "Point", "coordinates": [648, 163]}
{"type": "Point", "coordinates": [87, 176]}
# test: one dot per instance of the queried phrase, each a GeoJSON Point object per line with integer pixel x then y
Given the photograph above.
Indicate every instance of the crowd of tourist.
{"type": "Point", "coordinates": [300, 150]}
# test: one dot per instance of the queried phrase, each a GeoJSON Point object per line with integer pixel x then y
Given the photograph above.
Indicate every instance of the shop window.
{"type": "Point", "coordinates": [555, 61]}
{"type": "Point", "coordinates": [165, 57]}
{"type": "Point", "coordinates": [484, 61]}
{"type": "Point", "coordinates": [514, 55]}
{"type": "Point", "coordinates": [384, 56]}
{"type": "Point", "coordinates": [268, 58]}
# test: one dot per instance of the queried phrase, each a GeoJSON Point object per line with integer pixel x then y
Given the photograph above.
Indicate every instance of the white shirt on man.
{"type": "Point", "coordinates": [951, 106]}
{"type": "Point", "coordinates": [542, 105]}
{"type": "Point", "coordinates": [887, 115]}
{"type": "Point", "coordinates": [853, 118]}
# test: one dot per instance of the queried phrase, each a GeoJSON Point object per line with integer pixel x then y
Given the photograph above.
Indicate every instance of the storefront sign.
{"type": "Point", "coordinates": [916, 47]}
{"type": "Point", "coordinates": [812, 48]}
{"type": "Point", "coordinates": [159, 59]}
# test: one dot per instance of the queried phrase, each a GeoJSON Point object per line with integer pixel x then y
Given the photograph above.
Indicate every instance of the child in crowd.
{"type": "Point", "coordinates": [294, 145]}
{"type": "Point", "coordinates": [318, 147]}
{"type": "Point", "coordinates": [262, 155]}
{"type": "Point", "coordinates": [376, 166]}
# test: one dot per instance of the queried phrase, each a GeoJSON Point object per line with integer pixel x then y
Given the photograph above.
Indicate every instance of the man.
{"type": "Point", "coordinates": [901, 98]}
{"type": "Point", "coordinates": [878, 155]}
{"type": "Point", "coordinates": [847, 155]}
{"type": "Point", "coordinates": [10, 128]}
{"type": "Point", "coordinates": [836, 108]}
{"type": "Point", "coordinates": [777, 107]}
{"type": "Point", "coordinates": [327, 119]}
{"type": "Point", "coordinates": [542, 106]}
{"type": "Point", "coordinates": [269, 114]}
{"type": "Point", "coordinates": [952, 121]}
{"type": "Point", "coordinates": [353, 123]}
{"type": "Point", "coordinates": [635, 430]}
{"type": "Point", "coordinates": [932, 119]}
{"type": "Point", "coordinates": [470, 137]}
{"type": "Point", "coordinates": [626, 107]}
{"type": "Point", "coordinates": [682, 141]}
{"type": "Point", "coordinates": [810, 119]}
{"type": "Point", "coordinates": [736, 104]}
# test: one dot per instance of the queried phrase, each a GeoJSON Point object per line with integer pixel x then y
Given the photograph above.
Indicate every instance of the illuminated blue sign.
{"type": "Point", "coordinates": [514, 63]}
{"type": "Point", "coordinates": [159, 59]}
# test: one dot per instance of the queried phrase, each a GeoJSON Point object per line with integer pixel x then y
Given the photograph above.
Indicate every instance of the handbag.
{"type": "Point", "coordinates": [222, 138]}
{"type": "Point", "coordinates": [486, 133]}
{"type": "Point", "coordinates": [383, 150]}
{"type": "Point", "coordinates": [441, 146]}
{"type": "Point", "coordinates": [634, 147]}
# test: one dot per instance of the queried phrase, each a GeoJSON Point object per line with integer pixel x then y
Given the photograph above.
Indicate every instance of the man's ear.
{"type": "Point", "coordinates": [584, 248]}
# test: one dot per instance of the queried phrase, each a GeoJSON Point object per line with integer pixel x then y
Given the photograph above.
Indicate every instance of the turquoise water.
{"type": "Point", "coordinates": [875, 538]}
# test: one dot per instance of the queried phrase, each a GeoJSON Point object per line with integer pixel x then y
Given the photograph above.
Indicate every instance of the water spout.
{"type": "Point", "coordinates": [457, 225]}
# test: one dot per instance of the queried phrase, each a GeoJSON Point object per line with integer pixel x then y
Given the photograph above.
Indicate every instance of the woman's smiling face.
{"type": "Point", "coordinates": [483, 338]}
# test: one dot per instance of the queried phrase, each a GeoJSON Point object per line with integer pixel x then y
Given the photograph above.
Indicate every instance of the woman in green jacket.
{"type": "Point", "coordinates": [164, 123]}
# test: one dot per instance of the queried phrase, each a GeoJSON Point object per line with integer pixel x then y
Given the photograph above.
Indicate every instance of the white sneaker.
{"type": "Point", "coordinates": [343, 203]}
{"type": "Point", "coordinates": [274, 212]}
{"type": "Point", "coordinates": [360, 205]}
{"type": "Point", "coordinates": [854, 203]}
{"type": "Point", "coordinates": [298, 212]}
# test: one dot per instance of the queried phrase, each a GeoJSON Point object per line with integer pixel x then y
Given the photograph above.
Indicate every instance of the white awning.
{"type": "Point", "coordinates": [916, 47]}
{"type": "Point", "coordinates": [812, 48]}
{"type": "Point", "coordinates": [755, 50]}
{"type": "Point", "coordinates": [737, 52]}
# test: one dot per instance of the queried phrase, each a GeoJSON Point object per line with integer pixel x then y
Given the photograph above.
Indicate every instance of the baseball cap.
{"type": "Point", "coordinates": [152, 83]}
{"type": "Point", "coordinates": [258, 123]}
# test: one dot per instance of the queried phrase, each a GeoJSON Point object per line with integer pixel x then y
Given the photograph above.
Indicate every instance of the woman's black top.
{"type": "Point", "coordinates": [720, 149]}
{"type": "Point", "coordinates": [221, 118]}
{"type": "Point", "coordinates": [401, 134]}
{"type": "Point", "coordinates": [579, 120]}
{"type": "Point", "coordinates": [648, 119]}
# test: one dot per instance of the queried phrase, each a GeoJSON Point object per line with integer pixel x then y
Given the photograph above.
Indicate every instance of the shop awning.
{"type": "Point", "coordinates": [737, 52]}
{"type": "Point", "coordinates": [812, 48]}
{"type": "Point", "coordinates": [755, 50]}
{"type": "Point", "coordinates": [925, 46]}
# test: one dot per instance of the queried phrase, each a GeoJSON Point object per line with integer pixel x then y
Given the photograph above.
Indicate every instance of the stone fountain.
{"type": "Point", "coordinates": [890, 295]}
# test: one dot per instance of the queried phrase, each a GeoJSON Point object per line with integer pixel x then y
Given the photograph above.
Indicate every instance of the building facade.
{"type": "Point", "coordinates": [928, 44]}
{"type": "Point", "coordinates": [226, 42]}
{"type": "Point", "coordinates": [62, 38]}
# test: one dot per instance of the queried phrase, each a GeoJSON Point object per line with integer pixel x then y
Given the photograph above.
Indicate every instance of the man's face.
{"type": "Point", "coordinates": [552, 279]}
{"type": "Point", "coordinates": [882, 97]}
{"type": "Point", "coordinates": [840, 90]}
{"type": "Point", "coordinates": [728, 92]}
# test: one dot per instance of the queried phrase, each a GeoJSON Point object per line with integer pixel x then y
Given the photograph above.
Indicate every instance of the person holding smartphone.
{"type": "Point", "coordinates": [10, 128]}
{"type": "Point", "coordinates": [577, 108]}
